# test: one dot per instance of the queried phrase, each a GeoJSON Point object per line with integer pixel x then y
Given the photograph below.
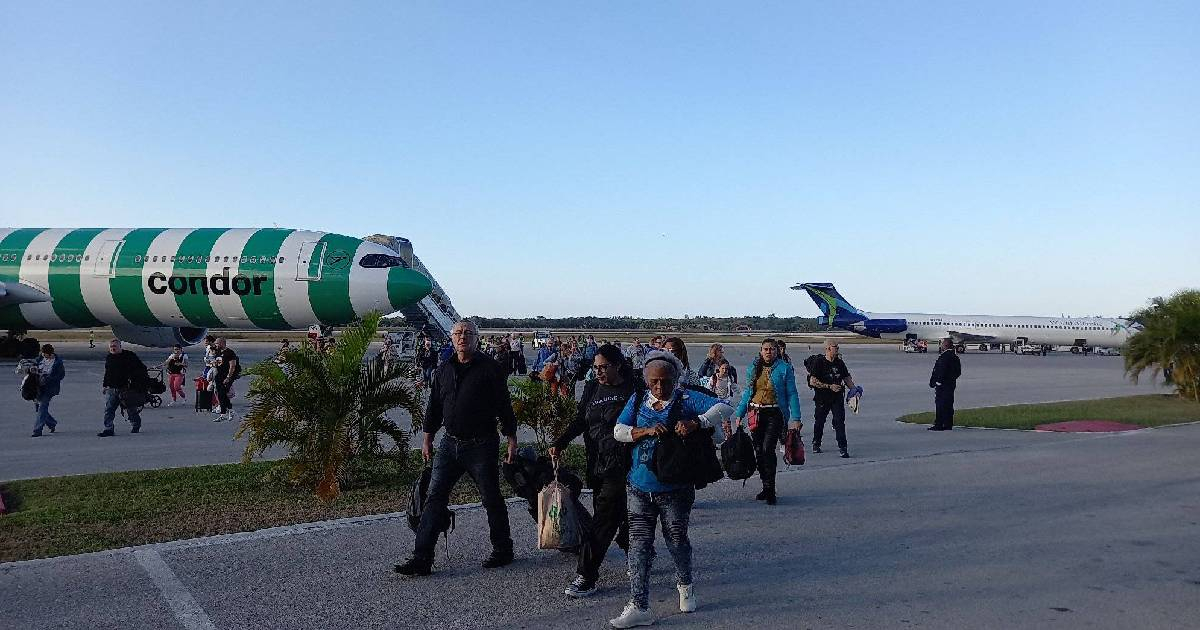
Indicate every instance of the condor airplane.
{"type": "Point", "coordinates": [988, 331]}
{"type": "Point", "coordinates": [159, 287]}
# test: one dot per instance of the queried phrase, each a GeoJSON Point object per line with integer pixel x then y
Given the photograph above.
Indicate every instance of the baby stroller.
{"type": "Point", "coordinates": [155, 387]}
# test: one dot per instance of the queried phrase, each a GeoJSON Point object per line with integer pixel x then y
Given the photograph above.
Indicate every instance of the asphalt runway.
{"type": "Point", "coordinates": [895, 384]}
{"type": "Point", "coordinates": [964, 529]}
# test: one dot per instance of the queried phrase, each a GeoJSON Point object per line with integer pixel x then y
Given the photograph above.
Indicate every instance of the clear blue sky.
{"type": "Point", "coordinates": [644, 158]}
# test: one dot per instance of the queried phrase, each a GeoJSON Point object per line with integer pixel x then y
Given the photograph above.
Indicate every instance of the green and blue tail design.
{"type": "Point", "coordinates": [835, 309]}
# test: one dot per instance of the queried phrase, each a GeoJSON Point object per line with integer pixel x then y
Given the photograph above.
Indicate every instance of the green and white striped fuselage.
{"type": "Point", "coordinates": [269, 279]}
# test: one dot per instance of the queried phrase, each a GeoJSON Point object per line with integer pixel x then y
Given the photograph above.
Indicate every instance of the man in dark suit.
{"type": "Point", "coordinates": [945, 375]}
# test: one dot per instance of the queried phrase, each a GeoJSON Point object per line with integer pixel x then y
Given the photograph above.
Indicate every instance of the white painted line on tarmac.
{"type": "Point", "coordinates": [189, 613]}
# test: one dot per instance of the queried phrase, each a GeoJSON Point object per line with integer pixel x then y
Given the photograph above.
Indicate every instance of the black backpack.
{"type": "Point", "coordinates": [30, 387]}
{"type": "Point", "coordinates": [737, 455]}
{"type": "Point", "coordinates": [417, 498]}
{"type": "Point", "coordinates": [810, 365]}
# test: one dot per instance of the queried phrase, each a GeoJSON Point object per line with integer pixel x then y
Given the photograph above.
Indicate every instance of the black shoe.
{"type": "Point", "coordinates": [816, 448]}
{"type": "Point", "coordinates": [36, 434]}
{"type": "Point", "coordinates": [413, 566]}
{"type": "Point", "coordinates": [761, 496]}
{"type": "Point", "coordinates": [498, 559]}
{"type": "Point", "coordinates": [105, 433]}
{"type": "Point", "coordinates": [933, 428]}
{"type": "Point", "coordinates": [53, 428]}
{"type": "Point", "coordinates": [770, 498]}
{"type": "Point", "coordinates": [845, 454]}
{"type": "Point", "coordinates": [136, 429]}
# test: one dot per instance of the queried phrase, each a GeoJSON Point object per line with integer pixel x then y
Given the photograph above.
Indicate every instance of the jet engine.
{"type": "Point", "coordinates": [160, 337]}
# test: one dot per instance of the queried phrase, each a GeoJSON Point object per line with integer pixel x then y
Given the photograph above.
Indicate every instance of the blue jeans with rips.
{"type": "Point", "coordinates": [674, 509]}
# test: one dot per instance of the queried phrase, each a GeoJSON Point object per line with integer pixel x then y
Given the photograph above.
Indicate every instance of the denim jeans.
{"type": "Point", "coordinates": [44, 419]}
{"type": "Point", "coordinates": [477, 458]}
{"type": "Point", "coordinates": [674, 509]}
{"type": "Point", "coordinates": [112, 400]}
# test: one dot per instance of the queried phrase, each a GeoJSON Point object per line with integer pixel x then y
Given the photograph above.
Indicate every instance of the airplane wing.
{"type": "Point", "coordinates": [962, 337]}
{"type": "Point", "coordinates": [12, 293]}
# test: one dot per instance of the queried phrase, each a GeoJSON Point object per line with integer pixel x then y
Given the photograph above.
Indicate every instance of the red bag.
{"type": "Point", "coordinates": [752, 419]}
{"type": "Point", "coordinates": [793, 448]}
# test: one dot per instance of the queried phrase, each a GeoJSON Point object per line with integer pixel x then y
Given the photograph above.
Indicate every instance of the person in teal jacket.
{"type": "Point", "coordinates": [768, 403]}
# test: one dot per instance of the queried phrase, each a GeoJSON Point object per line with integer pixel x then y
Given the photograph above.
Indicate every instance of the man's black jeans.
{"type": "Point", "coordinates": [609, 521]}
{"type": "Point", "coordinates": [839, 420]}
{"type": "Point", "coordinates": [476, 458]}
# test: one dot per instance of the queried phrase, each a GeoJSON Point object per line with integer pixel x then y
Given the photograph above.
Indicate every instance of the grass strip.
{"type": "Point", "coordinates": [1151, 410]}
{"type": "Point", "coordinates": [58, 516]}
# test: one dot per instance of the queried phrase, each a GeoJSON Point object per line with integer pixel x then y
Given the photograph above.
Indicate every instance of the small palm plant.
{"type": "Point", "coordinates": [1169, 342]}
{"type": "Point", "coordinates": [330, 410]}
{"type": "Point", "coordinates": [535, 407]}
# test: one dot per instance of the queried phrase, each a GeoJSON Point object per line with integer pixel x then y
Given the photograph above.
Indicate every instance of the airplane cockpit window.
{"type": "Point", "coordinates": [380, 261]}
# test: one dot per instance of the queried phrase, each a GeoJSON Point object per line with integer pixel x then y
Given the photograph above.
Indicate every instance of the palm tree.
{"type": "Point", "coordinates": [1169, 342]}
{"type": "Point", "coordinates": [330, 409]}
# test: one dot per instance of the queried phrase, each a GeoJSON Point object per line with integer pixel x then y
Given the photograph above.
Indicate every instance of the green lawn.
{"type": "Point", "coordinates": [77, 514]}
{"type": "Point", "coordinates": [1151, 410]}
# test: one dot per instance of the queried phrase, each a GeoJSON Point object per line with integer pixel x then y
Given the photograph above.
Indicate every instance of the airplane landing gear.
{"type": "Point", "coordinates": [960, 348]}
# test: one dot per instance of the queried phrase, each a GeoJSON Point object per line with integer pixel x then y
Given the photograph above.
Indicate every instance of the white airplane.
{"type": "Point", "coordinates": [985, 331]}
{"type": "Point", "coordinates": [159, 287]}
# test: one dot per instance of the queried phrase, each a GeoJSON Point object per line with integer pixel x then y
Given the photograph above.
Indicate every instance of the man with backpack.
{"type": "Point", "coordinates": [831, 383]}
{"type": "Point", "coordinates": [468, 396]}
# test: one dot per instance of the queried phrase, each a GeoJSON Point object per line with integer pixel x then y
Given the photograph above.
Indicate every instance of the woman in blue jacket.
{"type": "Point", "coordinates": [50, 376]}
{"type": "Point", "coordinates": [771, 395]}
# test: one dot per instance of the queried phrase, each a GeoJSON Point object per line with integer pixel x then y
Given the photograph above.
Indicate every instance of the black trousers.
{"type": "Point", "coordinates": [766, 438]}
{"type": "Point", "coordinates": [223, 395]}
{"type": "Point", "coordinates": [609, 521]}
{"type": "Point", "coordinates": [943, 406]}
{"type": "Point", "coordinates": [839, 421]}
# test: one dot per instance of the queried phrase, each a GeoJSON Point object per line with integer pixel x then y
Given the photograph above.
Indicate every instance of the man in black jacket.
{"type": "Point", "coordinates": [468, 395]}
{"type": "Point", "coordinates": [943, 380]}
{"type": "Point", "coordinates": [123, 370]}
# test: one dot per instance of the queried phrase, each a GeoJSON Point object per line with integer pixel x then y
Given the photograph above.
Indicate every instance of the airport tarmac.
{"type": "Point", "coordinates": [964, 529]}
{"type": "Point", "coordinates": [895, 384]}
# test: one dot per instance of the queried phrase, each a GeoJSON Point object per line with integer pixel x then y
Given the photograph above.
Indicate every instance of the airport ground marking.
{"type": "Point", "coordinates": [187, 611]}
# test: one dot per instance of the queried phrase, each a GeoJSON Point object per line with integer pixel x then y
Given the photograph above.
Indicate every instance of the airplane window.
{"type": "Point", "coordinates": [253, 259]}
{"type": "Point", "coordinates": [281, 260]}
{"type": "Point", "coordinates": [86, 258]}
{"type": "Point", "coordinates": [242, 259]}
{"type": "Point", "coordinates": [137, 259]}
{"type": "Point", "coordinates": [380, 261]}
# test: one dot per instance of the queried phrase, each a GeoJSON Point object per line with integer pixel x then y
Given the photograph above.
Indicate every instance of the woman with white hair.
{"type": "Point", "coordinates": [663, 408]}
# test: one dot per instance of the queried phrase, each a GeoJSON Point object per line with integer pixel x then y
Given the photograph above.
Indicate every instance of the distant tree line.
{"type": "Point", "coordinates": [684, 324]}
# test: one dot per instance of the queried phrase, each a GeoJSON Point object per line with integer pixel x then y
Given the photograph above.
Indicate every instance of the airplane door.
{"type": "Point", "coordinates": [308, 263]}
{"type": "Point", "coordinates": [106, 259]}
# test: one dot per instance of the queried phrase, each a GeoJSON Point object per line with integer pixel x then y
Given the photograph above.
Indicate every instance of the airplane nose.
{"type": "Point", "coordinates": [406, 286]}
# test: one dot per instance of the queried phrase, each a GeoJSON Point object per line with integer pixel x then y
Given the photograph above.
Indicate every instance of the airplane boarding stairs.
{"type": "Point", "coordinates": [434, 314]}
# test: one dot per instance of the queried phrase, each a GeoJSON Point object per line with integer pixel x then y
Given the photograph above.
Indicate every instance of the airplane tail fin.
{"type": "Point", "coordinates": [831, 303]}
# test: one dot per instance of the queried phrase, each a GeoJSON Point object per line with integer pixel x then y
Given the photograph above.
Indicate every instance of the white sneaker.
{"type": "Point", "coordinates": [687, 598]}
{"type": "Point", "coordinates": [632, 616]}
{"type": "Point", "coordinates": [220, 418]}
